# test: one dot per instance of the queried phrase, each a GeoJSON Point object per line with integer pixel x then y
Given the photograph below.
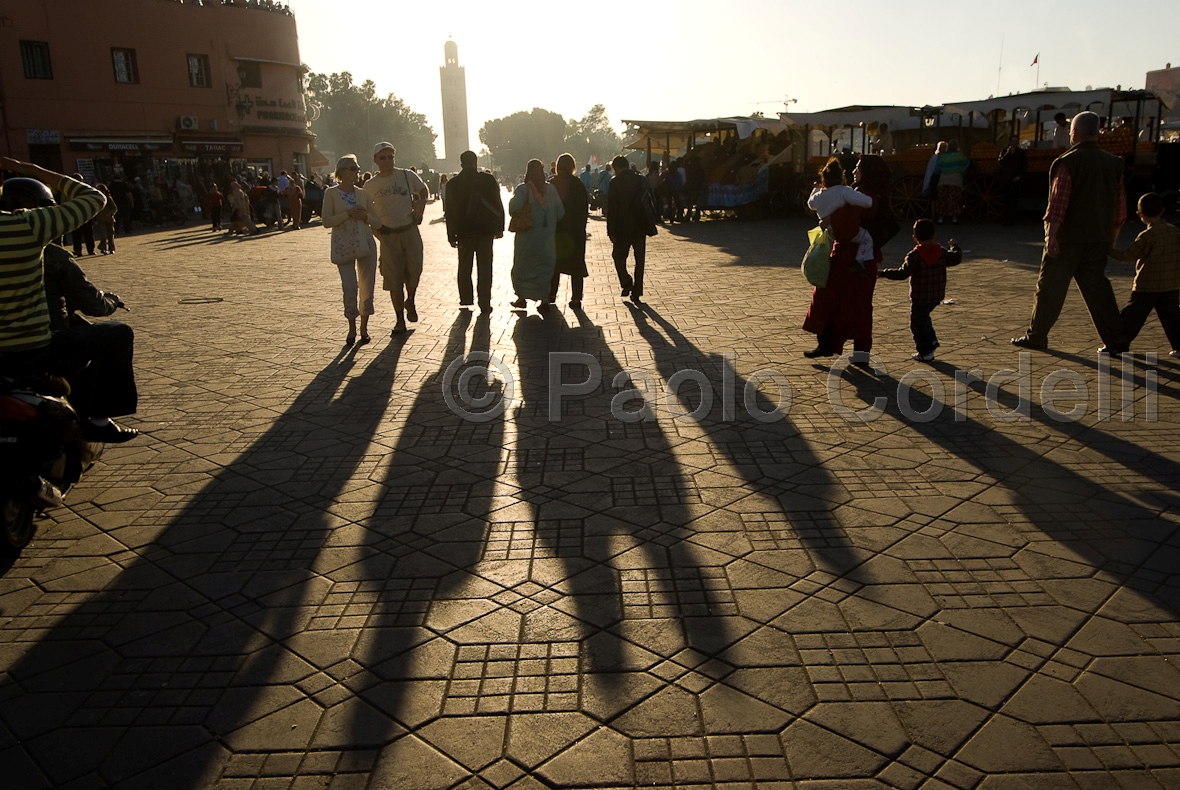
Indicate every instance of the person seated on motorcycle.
{"type": "Point", "coordinates": [105, 387]}
{"type": "Point", "coordinates": [29, 221]}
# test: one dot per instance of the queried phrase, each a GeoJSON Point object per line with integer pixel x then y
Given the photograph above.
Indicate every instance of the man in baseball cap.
{"type": "Point", "coordinates": [400, 195]}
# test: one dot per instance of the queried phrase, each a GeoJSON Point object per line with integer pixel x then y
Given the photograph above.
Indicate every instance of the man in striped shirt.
{"type": "Point", "coordinates": [24, 315]}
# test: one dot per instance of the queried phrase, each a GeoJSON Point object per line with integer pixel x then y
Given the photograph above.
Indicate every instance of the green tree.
{"type": "Point", "coordinates": [593, 136]}
{"type": "Point", "coordinates": [350, 118]}
{"type": "Point", "coordinates": [514, 140]}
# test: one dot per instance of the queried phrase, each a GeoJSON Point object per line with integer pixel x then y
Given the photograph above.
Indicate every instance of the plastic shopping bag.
{"type": "Point", "coordinates": [817, 261]}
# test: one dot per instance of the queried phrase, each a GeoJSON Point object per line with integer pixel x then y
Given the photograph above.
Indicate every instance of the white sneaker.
{"type": "Point", "coordinates": [923, 357]}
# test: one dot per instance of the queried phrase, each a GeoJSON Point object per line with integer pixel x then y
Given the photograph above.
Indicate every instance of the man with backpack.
{"type": "Point", "coordinates": [474, 212]}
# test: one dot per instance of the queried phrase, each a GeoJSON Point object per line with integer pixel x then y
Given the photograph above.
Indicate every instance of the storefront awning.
{"type": "Point", "coordinates": [317, 159]}
{"type": "Point", "coordinates": [126, 144]}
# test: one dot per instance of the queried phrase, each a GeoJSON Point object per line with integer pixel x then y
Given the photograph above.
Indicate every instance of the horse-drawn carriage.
{"type": "Point", "coordinates": [983, 129]}
{"type": "Point", "coordinates": [744, 161]}
{"type": "Point", "coordinates": [761, 166]}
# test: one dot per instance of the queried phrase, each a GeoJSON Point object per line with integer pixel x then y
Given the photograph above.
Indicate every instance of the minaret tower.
{"type": "Point", "coordinates": [454, 106]}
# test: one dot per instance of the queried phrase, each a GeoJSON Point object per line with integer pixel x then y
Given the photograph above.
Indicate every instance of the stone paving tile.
{"type": "Point", "coordinates": [311, 572]}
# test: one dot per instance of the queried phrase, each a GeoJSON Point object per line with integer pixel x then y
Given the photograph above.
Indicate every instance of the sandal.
{"type": "Point", "coordinates": [365, 339]}
{"type": "Point", "coordinates": [348, 341]}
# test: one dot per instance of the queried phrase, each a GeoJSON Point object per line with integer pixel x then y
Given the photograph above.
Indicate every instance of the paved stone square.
{"type": "Point", "coordinates": [681, 555]}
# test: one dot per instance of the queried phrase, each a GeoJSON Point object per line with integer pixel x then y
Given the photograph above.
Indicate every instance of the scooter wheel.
{"type": "Point", "coordinates": [19, 526]}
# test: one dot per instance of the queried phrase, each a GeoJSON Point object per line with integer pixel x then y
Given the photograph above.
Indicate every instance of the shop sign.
{"type": "Point", "coordinates": [212, 147]}
{"type": "Point", "coordinates": [85, 168]}
{"type": "Point", "coordinates": [281, 110]}
{"type": "Point", "coordinates": [119, 146]}
{"type": "Point", "coordinates": [43, 137]}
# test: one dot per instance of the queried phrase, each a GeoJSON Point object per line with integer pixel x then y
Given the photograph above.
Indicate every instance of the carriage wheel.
{"type": "Point", "coordinates": [983, 198]}
{"type": "Point", "coordinates": [906, 198]}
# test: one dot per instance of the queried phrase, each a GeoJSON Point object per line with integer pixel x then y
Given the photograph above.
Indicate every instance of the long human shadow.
{"type": "Point", "coordinates": [193, 650]}
{"type": "Point", "coordinates": [613, 516]}
{"type": "Point", "coordinates": [421, 599]}
{"type": "Point", "coordinates": [1102, 555]}
{"type": "Point", "coordinates": [1150, 548]}
{"type": "Point", "coordinates": [1068, 549]}
{"type": "Point", "coordinates": [770, 454]}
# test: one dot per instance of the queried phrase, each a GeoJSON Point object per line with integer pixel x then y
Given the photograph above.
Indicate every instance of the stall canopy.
{"type": "Point", "coordinates": [675, 135]}
{"type": "Point", "coordinates": [1105, 102]}
{"type": "Point", "coordinates": [898, 118]}
{"type": "Point", "coordinates": [850, 116]}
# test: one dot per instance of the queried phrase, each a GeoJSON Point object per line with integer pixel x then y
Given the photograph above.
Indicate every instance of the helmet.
{"type": "Point", "coordinates": [24, 193]}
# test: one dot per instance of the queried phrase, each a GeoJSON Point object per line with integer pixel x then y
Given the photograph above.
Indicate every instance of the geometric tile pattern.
{"type": "Point", "coordinates": [655, 490]}
{"type": "Point", "coordinates": [714, 761]}
{"type": "Point", "coordinates": [371, 604]}
{"type": "Point", "coordinates": [527, 678]}
{"type": "Point", "coordinates": [778, 530]}
{"type": "Point", "coordinates": [676, 592]}
{"type": "Point", "coordinates": [524, 540]}
{"type": "Point", "coordinates": [871, 666]}
{"type": "Point", "coordinates": [979, 584]}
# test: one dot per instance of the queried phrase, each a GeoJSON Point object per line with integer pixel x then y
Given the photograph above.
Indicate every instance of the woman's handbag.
{"type": "Point", "coordinates": [350, 241]}
{"type": "Point", "coordinates": [817, 261]}
{"type": "Point", "coordinates": [521, 220]}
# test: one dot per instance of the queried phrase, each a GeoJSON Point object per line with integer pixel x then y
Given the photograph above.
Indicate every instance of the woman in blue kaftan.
{"type": "Point", "coordinates": [535, 254]}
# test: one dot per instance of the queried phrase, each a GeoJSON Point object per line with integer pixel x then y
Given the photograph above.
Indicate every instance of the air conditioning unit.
{"type": "Point", "coordinates": [188, 123]}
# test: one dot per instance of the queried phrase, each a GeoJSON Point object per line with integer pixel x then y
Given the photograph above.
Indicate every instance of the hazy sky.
{"type": "Point", "coordinates": [690, 59]}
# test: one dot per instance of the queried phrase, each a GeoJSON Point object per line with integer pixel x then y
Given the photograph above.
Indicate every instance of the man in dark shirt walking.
{"type": "Point", "coordinates": [475, 217]}
{"type": "Point", "coordinates": [628, 226]}
{"type": "Point", "coordinates": [1087, 208]}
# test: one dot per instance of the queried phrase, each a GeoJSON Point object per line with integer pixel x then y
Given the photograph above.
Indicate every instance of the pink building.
{"type": "Point", "coordinates": [159, 88]}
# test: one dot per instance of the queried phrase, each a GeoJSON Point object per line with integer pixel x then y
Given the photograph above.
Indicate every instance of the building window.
{"type": "Point", "coordinates": [251, 71]}
{"type": "Point", "coordinates": [35, 57]}
{"type": "Point", "coordinates": [126, 70]}
{"type": "Point", "coordinates": [198, 71]}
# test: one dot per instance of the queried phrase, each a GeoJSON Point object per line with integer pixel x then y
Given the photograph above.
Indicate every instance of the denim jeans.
{"type": "Point", "coordinates": [922, 327]}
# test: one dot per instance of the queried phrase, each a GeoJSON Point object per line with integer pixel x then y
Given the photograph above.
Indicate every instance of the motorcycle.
{"type": "Point", "coordinates": [42, 453]}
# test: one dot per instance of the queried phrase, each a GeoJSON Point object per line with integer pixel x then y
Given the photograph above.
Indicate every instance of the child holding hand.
{"type": "Point", "coordinates": [925, 267]}
{"type": "Point", "coordinates": [1156, 255]}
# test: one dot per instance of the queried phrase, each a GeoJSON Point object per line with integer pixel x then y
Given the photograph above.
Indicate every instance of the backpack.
{"type": "Point", "coordinates": [645, 211]}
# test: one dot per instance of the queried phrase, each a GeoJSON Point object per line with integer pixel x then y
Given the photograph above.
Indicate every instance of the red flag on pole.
{"type": "Point", "coordinates": [1037, 58]}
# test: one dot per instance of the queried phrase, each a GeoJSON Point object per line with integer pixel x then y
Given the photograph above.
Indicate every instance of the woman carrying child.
{"type": "Point", "coordinates": [842, 310]}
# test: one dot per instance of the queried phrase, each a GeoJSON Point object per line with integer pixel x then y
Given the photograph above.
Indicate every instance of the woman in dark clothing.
{"type": "Point", "coordinates": [571, 230]}
{"type": "Point", "coordinates": [843, 309]}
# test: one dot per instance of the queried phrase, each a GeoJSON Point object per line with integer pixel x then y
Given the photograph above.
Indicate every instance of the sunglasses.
{"type": "Point", "coordinates": [382, 158]}
{"type": "Point", "coordinates": [353, 169]}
